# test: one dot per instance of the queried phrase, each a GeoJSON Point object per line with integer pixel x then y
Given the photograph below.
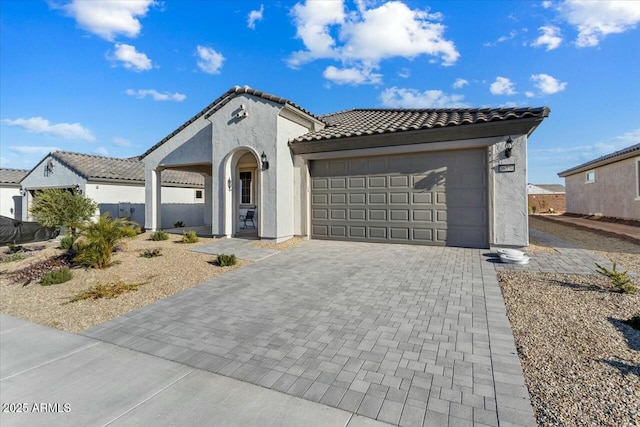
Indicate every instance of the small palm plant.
{"type": "Point", "coordinates": [100, 238]}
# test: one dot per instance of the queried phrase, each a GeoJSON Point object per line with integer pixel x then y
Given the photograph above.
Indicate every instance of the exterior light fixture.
{"type": "Point", "coordinates": [23, 192]}
{"type": "Point", "coordinates": [508, 147]}
{"type": "Point", "coordinates": [265, 163]}
{"type": "Point", "coordinates": [78, 190]}
{"type": "Point", "coordinates": [229, 182]}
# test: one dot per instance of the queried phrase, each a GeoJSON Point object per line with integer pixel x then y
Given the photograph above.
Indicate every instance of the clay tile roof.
{"type": "Point", "coordinates": [625, 153]}
{"type": "Point", "coordinates": [111, 168]}
{"type": "Point", "coordinates": [12, 176]}
{"type": "Point", "coordinates": [359, 122]}
{"type": "Point", "coordinates": [224, 100]}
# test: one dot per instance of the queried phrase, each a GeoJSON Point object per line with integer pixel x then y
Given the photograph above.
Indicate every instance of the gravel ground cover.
{"type": "Point", "coordinates": [581, 362]}
{"type": "Point", "coordinates": [177, 269]}
{"type": "Point", "coordinates": [624, 253]}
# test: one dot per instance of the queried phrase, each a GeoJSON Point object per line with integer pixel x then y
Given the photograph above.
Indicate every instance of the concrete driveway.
{"type": "Point", "coordinates": [404, 334]}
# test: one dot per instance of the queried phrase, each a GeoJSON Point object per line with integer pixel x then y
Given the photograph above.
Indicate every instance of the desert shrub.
{"type": "Point", "coordinates": [178, 224]}
{"type": "Point", "coordinates": [57, 276]}
{"type": "Point", "coordinates": [14, 248]}
{"type": "Point", "coordinates": [17, 256]}
{"type": "Point", "coordinates": [112, 290]}
{"type": "Point", "coordinates": [150, 253]}
{"type": "Point", "coordinates": [634, 322]}
{"type": "Point", "coordinates": [159, 235]}
{"type": "Point", "coordinates": [189, 237]}
{"type": "Point", "coordinates": [36, 270]}
{"type": "Point", "coordinates": [67, 241]}
{"type": "Point", "coordinates": [100, 238]}
{"type": "Point", "coordinates": [620, 280]}
{"type": "Point", "coordinates": [224, 260]}
{"type": "Point", "coordinates": [57, 207]}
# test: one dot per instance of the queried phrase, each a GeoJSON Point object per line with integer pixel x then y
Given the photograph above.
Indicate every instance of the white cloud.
{"type": "Point", "coordinates": [130, 58]}
{"type": "Point", "coordinates": [40, 125]}
{"type": "Point", "coordinates": [352, 76]}
{"type": "Point", "coordinates": [512, 34]}
{"type": "Point", "coordinates": [502, 86]}
{"type": "Point", "coordinates": [404, 73]}
{"type": "Point", "coordinates": [32, 149]}
{"type": "Point", "coordinates": [529, 94]}
{"type": "Point", "coordinates": [157, 96]}
{"type": "Point", "coordinates": [548, 85]}
{"type": "Point", "coordinates": [254, 16]}
{"type": "Point", "coordinates": [121, 142]}
{"type": "Point", "coordinates": [108, 18]}
{"type": "Point", "coordinates": [583, 153]}
{"type": "Point", "coordinates": [547, 4]}
{"type": "Point", "coordinates": [101, 151]}
{"type": "Point", "coordinates": [210, 61]}
{"type": "Point", "coordinates": [460, 83]}
{"type": "Point", "coordinates": [364, 37]}
{"type": "Point", "coordinates": [594, 20]}
{"type": "Point", "coordinates": [395, 97]}
{"type": "Point", "coordinates": [550, 37]}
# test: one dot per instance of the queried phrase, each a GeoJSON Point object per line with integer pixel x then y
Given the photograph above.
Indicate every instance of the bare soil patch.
{"type": "Point", "coordinates": [624, 253]}
{"type": "Point", "coordinates": [580, 361]}
{"type": "Point", "coordinates": [177, 269]}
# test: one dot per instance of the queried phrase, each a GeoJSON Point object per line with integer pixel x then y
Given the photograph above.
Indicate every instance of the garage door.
{"type": "Point", "coordinates": [437, 198]}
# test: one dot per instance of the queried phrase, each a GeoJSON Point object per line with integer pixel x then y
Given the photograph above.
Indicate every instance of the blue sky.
{"type": "Point", "coordinates": [115, 77]}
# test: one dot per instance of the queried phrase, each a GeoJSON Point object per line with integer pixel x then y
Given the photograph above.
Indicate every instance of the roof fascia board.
{"type": "Point", "coordinates": [592, 165]}
{"type": "Point", "coordinates": [300, 117]}
{"type": "Point", "coordinates": [476, 131]}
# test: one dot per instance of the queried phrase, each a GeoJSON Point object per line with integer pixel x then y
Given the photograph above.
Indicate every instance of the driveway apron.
{"type": "Point", "coordinates": [409, 335]}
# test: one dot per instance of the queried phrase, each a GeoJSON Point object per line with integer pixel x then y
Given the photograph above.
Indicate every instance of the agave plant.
{"type": "Point", "coordinates": [100, 238]}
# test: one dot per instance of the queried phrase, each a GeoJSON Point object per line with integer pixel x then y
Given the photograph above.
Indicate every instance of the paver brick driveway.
{"type": "Point", "coordinates": [410, 335]}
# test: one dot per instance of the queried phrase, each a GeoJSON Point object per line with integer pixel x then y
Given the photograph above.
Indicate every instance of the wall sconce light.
{"type": "Point", "coordinates": [265, 163]}
{"type": "Point", "coordinates": [23, 192]}
{"type": "Point", "coordinates": [508, 148]}
{"type": "Point", "coordinates": [78, 190]}
{"type": "Point", "coordinates": [229, 182]}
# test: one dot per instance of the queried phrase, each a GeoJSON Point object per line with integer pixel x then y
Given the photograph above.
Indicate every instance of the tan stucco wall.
{"type": "Point", "coordinates": [614, 192]}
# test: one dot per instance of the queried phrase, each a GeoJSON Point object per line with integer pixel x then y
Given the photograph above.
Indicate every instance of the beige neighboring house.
{"type": "Point", "coordinates": [10, 197]}
{"type": "Point", "coordinates": [546, 197]}
{"type": "Point", "coordinates": [607, 186]}
{"type": "Point", "coordinates": [451, 176]}
{"type": "Point", "coordinates": [117, 185]}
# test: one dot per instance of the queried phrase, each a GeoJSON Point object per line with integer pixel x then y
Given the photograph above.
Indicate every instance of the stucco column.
{"type": "Point", "coordinates": [208, 200]}
{"type": "Point", "coordinates": [153, 199]}
{"type": "Point", "coordinates": [26, 203]}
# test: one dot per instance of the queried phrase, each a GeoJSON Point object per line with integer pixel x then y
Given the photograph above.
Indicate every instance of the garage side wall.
{"type": "Point", "coordinates": [510, 221]}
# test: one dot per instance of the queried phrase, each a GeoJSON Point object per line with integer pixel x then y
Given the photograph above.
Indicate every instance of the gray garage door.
{"type": "Point", "coordinates": [437, 198]}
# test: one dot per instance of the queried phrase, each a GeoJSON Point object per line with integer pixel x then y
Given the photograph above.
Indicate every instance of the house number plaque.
{"type": "Point", "coordinates": [506, 168]}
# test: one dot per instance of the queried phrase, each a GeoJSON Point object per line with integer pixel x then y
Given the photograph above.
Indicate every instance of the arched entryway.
{"type": "Point", "coordinates": [243, 185]}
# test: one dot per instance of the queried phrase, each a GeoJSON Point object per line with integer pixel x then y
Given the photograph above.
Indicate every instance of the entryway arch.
{"type": "Point", "coordinates": [243, 193]}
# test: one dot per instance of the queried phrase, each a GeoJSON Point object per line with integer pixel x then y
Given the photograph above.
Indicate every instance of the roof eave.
{"type": "Point", "coordinates": [441, 134]}
{"type": "Point", "coordinates": [596, 164]}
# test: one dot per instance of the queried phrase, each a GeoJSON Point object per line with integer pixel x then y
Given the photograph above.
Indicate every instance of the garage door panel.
{"type": "Point", "coordinates": [425, 198]}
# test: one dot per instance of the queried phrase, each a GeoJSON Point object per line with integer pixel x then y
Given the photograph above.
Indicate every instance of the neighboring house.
{"type": "Point", "coordinates": [10, 197]}
{"type": "Point", "coordinates": [420, 176]}
{"type": "Point", "coordinates": [546, 197]}
{"type": "Point", "coordinates": [607, 186]}
{"type": "Point", "coordinates": [117, 185]}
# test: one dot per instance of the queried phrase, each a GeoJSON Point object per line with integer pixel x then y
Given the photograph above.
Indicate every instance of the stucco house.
{"type": "Point", "coordinates": [117, 185]}
{"type": "Point", "coordinates": [452, 177]}
{"type": "Point", "coordinates": [606, 186]}
{"type": "Point", "coordinates": [10, 197]}
{"type": "Point", "coordinates": [546, 197]}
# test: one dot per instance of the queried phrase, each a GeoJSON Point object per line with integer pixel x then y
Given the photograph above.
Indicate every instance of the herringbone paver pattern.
{"type": "Point", "coordinates": [409, 335]}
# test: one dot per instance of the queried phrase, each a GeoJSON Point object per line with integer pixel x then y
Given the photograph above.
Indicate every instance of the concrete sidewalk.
{"type": "Point", "coordinates": [57, 378]}
{"type": "Point", "coordinates": [610, 227]}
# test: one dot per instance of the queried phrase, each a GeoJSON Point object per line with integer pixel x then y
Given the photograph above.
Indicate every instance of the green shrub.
{"type": "Point", "coordinates": [100, 238]}
{"type": "Point", "coordinates": [151, 253]}
{"type": "Point", "coordinates": [17, 256]}
{"type": "Point", "coordinates": [226, 260]}
{"type": "Point", "coordinates": [159, 235]}
{"type": "Point", "coordinates": [57, 207]}
{"type": "Point", "coordinates": [14, 248]}
{"type": "Point", "coordinates": [189, 237]}
{"type": "Point", "coordinates": [55, 277]}
{"type": "Point", "coordinates": [67, 241]}
{"type": "Point", "coordinates": [620, 280]}
{"type": "Point", "coordinates": [634, 322]}
{"type": "Point", "coordinates": [178, 224]}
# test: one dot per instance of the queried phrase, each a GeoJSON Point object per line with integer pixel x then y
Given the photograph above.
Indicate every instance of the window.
{"type": "Point", "coordinates": [198, 194]}
{"type": "Point", "coordinates": [246, 188]}
{"type": "Point", "coordinates": [590, 176]}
